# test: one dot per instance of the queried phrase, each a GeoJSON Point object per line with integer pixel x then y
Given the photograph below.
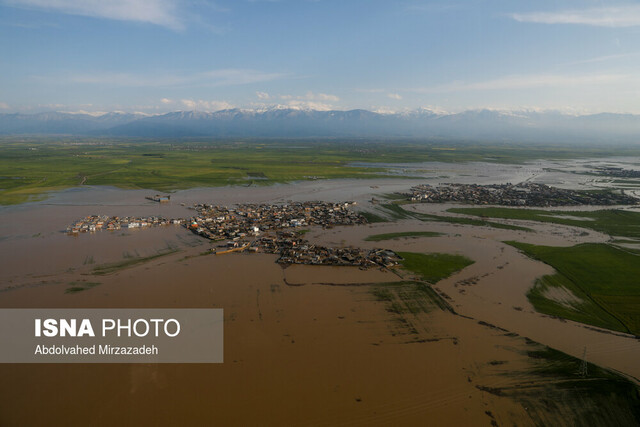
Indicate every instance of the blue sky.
{"type": "Point", "coordinates": [156, 56]}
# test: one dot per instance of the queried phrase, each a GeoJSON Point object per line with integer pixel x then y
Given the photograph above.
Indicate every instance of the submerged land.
{"type": "Point", "coordinates": [491, 315]}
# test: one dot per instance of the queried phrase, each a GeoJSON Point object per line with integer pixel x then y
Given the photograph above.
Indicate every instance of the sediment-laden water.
{"type": "Point", "coordinates": [305, 344]}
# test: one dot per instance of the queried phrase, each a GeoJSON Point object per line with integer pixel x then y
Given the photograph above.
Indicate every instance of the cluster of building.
{"type": "Point", "coordinates": [266, 228]}
{"type": "Point", "coordinates": [618, 172]}
{"type": "Point", "coordinates": [523, 194]}
{"type": "Point", "coordinates": [221, 222]}
{"type": "Point", "coordinates": [295, 250]}
{"type": "Point", "coordinates": [93, 223]}
{"type": "Point", "coordinates": [159, 198]}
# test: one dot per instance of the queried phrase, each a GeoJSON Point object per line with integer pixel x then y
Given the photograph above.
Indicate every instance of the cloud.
{"type": "Point", "coordinates": [158, 12]}
{"type": "Point", "coordinates": [394, 96]}
{"type": "Point", "coordinates": [370, 90]}
{"type": "Point", "coordinates": [202, 105]}
{"type": "Point", "coordinates": [309, 105]}
{"type": "Point", "coordinates": [322, 97]}
{"type": "Point", "coordinates": [614, 16]}
{"type": "Point", "coordinates": [4, 106]}
{"type": "Point", "coordinates": [223, 77]}
{"type": "Point", "coordinates": [310, 96]}
{"type": "Point", "coordinates": [310, 101]}
{"type": "Point", "coordinates": [194, 104]}
{"type": "Point", "coordinates": [603, 58]}
{"type": "Point", "coordinates": [262, 95]}
{"type": "Point", "coordinates": [531, 81]}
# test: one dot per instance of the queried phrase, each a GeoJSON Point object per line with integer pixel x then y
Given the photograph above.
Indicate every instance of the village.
{"type": "Point", "coordinates": [220, 222]}
{"type": "Point", "coordinates": [618, 172]}
{"type": "Point", "coordinates": [265, 228]}
{"type": "Point", "coordinates": [522, 194]}
{"type": "Point", "coordinates": [295, 250]}
{"type": "Point", "coordinates": [94, 223]}
{"type": "Point", "coordinates": [241, 227]}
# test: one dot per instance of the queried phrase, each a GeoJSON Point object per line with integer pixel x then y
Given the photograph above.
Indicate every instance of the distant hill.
{"type": "Point", "coordinates": [55, 123]}
{"type": "Point", "coordinates": [295, 123]}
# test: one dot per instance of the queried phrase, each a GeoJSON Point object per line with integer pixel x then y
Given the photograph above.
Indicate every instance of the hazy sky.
{"type": "Point", "coordinates": [164, 55]}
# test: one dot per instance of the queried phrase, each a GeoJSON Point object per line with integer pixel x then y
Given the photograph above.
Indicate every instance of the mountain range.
{"type": "Point", "coordinates": [480, 125]}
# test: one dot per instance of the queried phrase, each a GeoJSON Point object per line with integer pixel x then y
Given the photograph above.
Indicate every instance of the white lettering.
{"type": "Point", "coordinates": [50, 328]}
{"type": "Point", "coordinates": [86, 329]}
{"type": "Point", "coordinates": [146, 330]}
{"type": "Point", "coordinates": [166, 327]}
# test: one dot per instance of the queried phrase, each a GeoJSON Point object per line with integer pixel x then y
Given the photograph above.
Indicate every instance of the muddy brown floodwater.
{"type": "Point", "coordinates": [306, 354]}
{"type": "Point", "coordinates": [494, 288]}
{"type": "Point", "coordinates": [304, 345]}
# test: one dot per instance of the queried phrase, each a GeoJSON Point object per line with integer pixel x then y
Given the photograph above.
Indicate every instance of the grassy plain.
{"type": "Point", "coordinates": [30, 167]}
{"type": "Point", "coordinates": [609, 221]}
{"type": "Point", "coordinates": [595, 283]}
{"type": "Point", "coordinates": [433, 267]}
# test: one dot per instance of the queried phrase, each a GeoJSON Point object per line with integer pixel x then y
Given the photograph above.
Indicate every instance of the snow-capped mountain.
{"type": "Point", "coordinates": [281, 122]}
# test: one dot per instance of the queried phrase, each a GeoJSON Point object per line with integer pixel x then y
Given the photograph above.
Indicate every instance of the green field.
{"type": "Point", "coordinates": [559, 393]}
{"type": "Point", "coordinates": [30, 170]}
{"type": "Point", "coordinates": [373, 218]}
{"type": "Point", "coordinates": [130, 262]}
{"type": "Point", "coordinates": [433, 267]}
{"type": "Point", "coordinates": [396, 211]}
{"type": "Point", "coordinates": [390, 236]}
{"type": "Point", "coordinates": [609, 221]}
{"type": "Point", "coordinates": [30, 167]}
{"type": "Point", "coordinates": [409, 297]}
{"type": "Point", "coordinates": [596, 284]}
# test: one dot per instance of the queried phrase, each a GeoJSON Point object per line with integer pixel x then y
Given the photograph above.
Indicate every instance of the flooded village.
{"type": "Point", "coordinates": [522, 194]}
{"type": "Point", "coordinates": [278, 319]}
{"type": "Point", "coordinates": [264, 228]}
{"type": "Point", "coordinates": [94, 223]}
{"type": "Point", "coordinates": [617, 172]}
{"type": "Point", "coordinates": [295, 250]}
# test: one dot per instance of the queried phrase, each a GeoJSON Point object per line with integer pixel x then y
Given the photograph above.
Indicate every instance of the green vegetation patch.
{"type": "Point", "coordinates": [80, 286]}
{"type": "Point", "coordinates": [390, 236]}
{"type": "Point", "coordinates": [596, 283]}
{"type": "Point", "coordinates": [130, 262]}
{"type": "Point", "coordinates": [409, 297]}
{"type": "Point", "coordinates": [433, 267]}
{"type": "Point", "coordinates": [610, 221]}
{"type": "Point", "coordinates": [394, 196]}
{"type": "Point", "coordinates": [31, 168]}
{"type": "Point", "coordinates": [562, 394]}
{"type": "Point", "coordinates": [396, 211]}
{"type": "Point", "coordinates": [372, 218]}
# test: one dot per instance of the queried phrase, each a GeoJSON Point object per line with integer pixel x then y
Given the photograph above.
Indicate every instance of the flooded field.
{"type": "Point", "coordinates": [308, 354]}
{"type": "Point", "coordinates": [307, 344]}
{"type": "Point", "coordinates": [494, 288]}
{"type": "Point", "coordinates": [569, 174]}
